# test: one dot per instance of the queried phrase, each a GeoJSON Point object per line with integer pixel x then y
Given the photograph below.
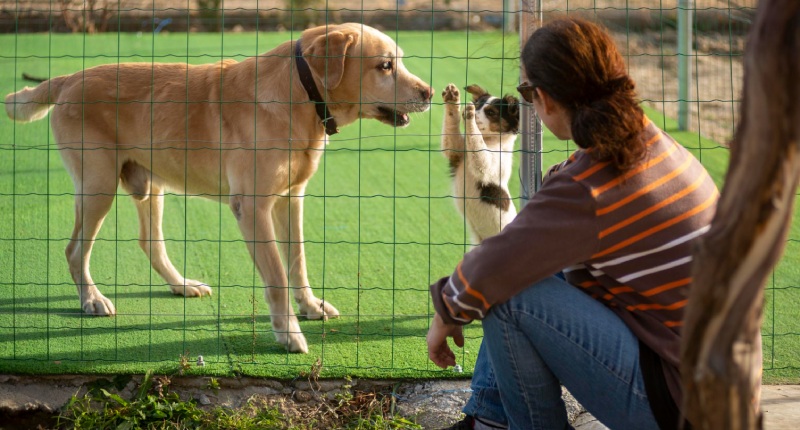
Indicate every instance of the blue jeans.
{"type": "Point", "coordinates": [550, 335]}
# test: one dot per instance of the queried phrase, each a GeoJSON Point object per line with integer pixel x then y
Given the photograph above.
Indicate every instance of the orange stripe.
{"type": "Point", "coordinates": [668, 286]}
{"type": "Point", "coordinates": [673, 323]}
{"type": "Point", "coordinates": [617, 290]}
{"type": "Point", "coordinates": [452, 312]}
{"type": "Point", "coordinates": [469, 290]}
{"type": "Point", "coordinates": [590, 171]}
{"type": "Point", "coordinates": [710, 201]}
{"type": "Point", "coordinates": [620, 290]}
{"type": "Point", "coordinates": [650, 163]}
{"type": "Point", "coordinates": [449, 308]}
{"type": "Point", "coordinates": [677, 196]}
{"type": "Point", "coordinates": [650, 306]}
{"type": "Point", "coordinates": [696, 210]}
{"type": "Point", "coordinates": [587, 284]}
{"type": "Point", "coordinates": [650, 187]}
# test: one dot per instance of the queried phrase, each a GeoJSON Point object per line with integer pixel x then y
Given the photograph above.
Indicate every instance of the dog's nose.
{"type": "Point", "coordinates": [427, 93]}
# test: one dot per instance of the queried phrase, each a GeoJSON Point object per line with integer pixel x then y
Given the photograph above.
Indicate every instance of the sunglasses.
{"type": "Point", "coordinates": [526, 91]}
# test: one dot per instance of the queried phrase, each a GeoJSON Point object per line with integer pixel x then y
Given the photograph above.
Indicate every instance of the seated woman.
{"type": "Point", "coordinates": [618, 218]}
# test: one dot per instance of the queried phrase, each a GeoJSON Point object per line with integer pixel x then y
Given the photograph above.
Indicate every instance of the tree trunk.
{"type": "Point", "coordinates": [721, 349]}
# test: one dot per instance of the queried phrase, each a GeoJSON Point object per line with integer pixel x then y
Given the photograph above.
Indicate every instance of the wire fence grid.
{"type": "Point", "coordinates": [380, 220]}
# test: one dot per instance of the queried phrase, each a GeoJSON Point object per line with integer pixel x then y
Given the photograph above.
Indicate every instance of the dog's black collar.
{"type": "Point", "coordinates": [313, 93]}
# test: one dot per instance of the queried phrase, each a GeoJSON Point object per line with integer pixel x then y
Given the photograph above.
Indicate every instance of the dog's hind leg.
{"type": "Point", "coordinates": [288, 217]}
{"type": "Point", "coordinates": [94, 194]}
{"type": "Point", "coordinates": [148, 195]}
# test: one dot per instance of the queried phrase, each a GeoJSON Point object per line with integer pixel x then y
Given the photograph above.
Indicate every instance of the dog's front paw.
{"type": "Point", "coordinates": [451, 94]}
{"type": "Point", "coordinates": [98, 304]}
{"type": "Point", "coordinates": [469, 111]}
{"type": "Point", "coordinates": [291, 337]}
{"type": "Point", "coordinates": [318, 309]}
{"type": "Point", "coordinates": [191, 288]}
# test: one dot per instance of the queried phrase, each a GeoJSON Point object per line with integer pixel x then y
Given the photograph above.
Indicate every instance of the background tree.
{"type": "Point", "coordinates": [302, 14]}
{"type": "Point", "coordinates": [209, 12]}
{"type": "Point", "coordinates": [89, 16]}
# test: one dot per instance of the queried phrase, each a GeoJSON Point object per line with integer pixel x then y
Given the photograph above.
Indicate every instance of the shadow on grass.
{"type": "Point", "coordinates": [8, 305]}
{"type": "Point", "coordinates": [232, 343]}
{"type": "Point", "coordinates": [333, 330]}
{"type": "Point", "coordinates": [238, 339]}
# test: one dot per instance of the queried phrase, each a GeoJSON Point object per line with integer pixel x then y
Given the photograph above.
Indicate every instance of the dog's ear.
{"type": "Point", "coordinates": [476, 91]}
{"type": "Point", "coordinates": [326, 56]}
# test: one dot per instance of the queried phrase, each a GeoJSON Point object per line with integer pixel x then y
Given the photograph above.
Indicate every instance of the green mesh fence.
{"type": "Point", "coordinates": [380, 221]}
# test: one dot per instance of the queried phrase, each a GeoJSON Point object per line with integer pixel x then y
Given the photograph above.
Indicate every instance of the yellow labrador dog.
{"type": "Point", "coordinates": [249, 134]}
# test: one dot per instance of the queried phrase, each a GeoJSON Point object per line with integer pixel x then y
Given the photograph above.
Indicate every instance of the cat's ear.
{"type": "Point", "coordinates": [476, 91]}
{"type": "Point", "coordinates": [512, 104]}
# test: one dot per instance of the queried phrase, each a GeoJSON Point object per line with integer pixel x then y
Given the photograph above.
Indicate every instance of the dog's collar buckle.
{"type": "Point", "coordinates": [307, 80]}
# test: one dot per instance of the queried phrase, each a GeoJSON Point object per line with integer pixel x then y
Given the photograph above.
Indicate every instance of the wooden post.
{"type": "Point", "coordinates": [721, 349]}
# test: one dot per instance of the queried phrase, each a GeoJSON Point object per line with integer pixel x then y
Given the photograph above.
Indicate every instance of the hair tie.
{"type": "Point", "coordinates": [616, 85]}
{"type": "Point", "coordinates": [605, 90]}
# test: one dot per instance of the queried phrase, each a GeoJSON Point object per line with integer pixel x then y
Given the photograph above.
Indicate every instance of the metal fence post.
{"type": "Point", "coordinates": [684, 55]}
{"type": "Point", "coordinates": [531, 135]}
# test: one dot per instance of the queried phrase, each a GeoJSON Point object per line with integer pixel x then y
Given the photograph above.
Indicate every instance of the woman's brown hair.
{"type": "Point", "coordinates": [577, 63]}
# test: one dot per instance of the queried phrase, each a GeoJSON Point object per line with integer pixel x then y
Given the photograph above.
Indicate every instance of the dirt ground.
{"type": "Point", "coordinates": [717, 75]}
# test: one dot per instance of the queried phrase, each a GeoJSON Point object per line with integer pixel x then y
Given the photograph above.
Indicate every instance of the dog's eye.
{"type": "Point", "coordinates": [386, 65]}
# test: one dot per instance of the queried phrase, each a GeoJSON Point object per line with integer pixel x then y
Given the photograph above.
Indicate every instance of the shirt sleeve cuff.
{"type": "Point", "coordinates": [438, 301]}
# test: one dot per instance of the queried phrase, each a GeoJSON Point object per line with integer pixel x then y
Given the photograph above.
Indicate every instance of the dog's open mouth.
{"type": "Point", "coordinates": [392, 117]}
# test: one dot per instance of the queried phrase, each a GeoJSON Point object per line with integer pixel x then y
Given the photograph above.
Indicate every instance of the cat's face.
{"type": "Point", "coordinates": [495, 115]}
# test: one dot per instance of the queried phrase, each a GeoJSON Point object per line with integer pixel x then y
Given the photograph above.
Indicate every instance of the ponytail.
{"type": "Point", "coordinates": [610, 125]}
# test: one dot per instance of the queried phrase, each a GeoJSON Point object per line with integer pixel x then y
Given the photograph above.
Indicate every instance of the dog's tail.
{"type": "Point", "coordinates": [31, 104]}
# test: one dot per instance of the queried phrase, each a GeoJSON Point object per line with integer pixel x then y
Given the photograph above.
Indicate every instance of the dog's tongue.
{"type": "Point", "coordinates": [401, 118]}
{"type": "Point", "coordinates": [394, 117]}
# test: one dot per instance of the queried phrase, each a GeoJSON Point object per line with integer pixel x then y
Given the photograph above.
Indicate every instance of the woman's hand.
{"type": "Point", "coordinates": [438, 350]}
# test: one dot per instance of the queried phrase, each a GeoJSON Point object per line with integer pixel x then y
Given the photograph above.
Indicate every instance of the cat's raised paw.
{"type": "Point", "coordinates": [469, 111]}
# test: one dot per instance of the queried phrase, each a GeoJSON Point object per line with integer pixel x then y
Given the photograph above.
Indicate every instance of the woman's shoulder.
{"type": "Point", "coordinates": [568, 179]}
{"type": "Point", "coordinates": [577, 162]}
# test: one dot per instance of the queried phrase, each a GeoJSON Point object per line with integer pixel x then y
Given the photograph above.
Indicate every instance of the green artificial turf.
{"type": "Point", "coordinates": [379, 228]}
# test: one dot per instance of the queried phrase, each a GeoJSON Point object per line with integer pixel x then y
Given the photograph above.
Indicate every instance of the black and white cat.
{"type": "Point", "coordinates": [481, 159]}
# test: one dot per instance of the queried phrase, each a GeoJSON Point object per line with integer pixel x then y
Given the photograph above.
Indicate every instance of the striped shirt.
{"type": "Point", "coordinates": [624, 239]}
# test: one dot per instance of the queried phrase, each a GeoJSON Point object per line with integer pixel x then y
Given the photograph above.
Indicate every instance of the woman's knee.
{"type": "Point", "coordinates": [549, 292]}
